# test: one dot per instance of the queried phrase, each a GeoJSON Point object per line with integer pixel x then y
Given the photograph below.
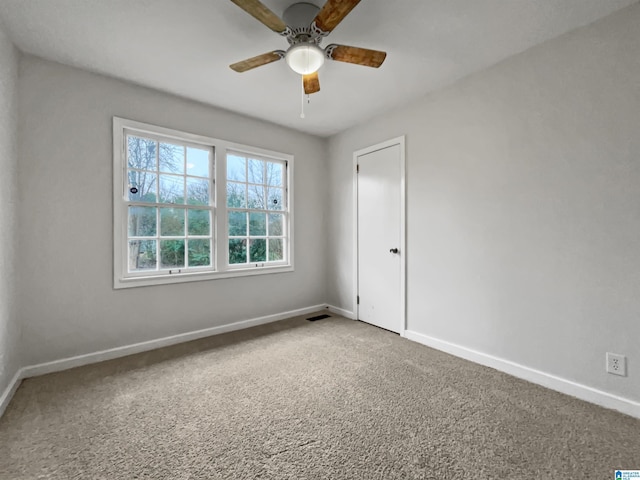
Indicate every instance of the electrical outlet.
{"type": "Point", "coordinates": [616, 364]}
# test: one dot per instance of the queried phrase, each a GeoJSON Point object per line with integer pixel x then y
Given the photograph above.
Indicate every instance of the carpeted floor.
{"type": "Point", "coordinates": [332, 399]}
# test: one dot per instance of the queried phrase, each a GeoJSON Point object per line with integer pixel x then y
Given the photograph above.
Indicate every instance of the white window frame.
{"type": "Point", "coordinates": [220, 243]}
{"type": "Point", "coordinates": [285, 213]}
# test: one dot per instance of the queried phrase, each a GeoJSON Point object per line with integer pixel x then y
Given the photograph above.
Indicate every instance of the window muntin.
{"type": "Point", "coordinates": [171, 221]}
{"type": "Point", "coordinates": [170, 203]}
{"type": "Point", "coordinates": [256, 210]}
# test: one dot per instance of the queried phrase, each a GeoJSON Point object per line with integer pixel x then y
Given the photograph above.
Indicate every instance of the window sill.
{"type": "Point", "coordinates": [145, 281]}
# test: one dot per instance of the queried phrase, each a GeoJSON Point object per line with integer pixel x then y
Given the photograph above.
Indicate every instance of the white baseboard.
{"type": "Point", "coordinates": [547, 380]}
{"type": "Point", "coordinates": [341, 311]}
{"type": "Point", "coordinates": [95, 357]}
{"type": "Point", "coordinates": [11, 389]}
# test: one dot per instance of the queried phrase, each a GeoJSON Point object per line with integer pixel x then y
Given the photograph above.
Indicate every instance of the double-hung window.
{"type": "Point", "coordinates": [176, 221]}
{"type": "Point", "coordinates": [169, 205]}
{"type": "Point", "coordinates": [256, 209]}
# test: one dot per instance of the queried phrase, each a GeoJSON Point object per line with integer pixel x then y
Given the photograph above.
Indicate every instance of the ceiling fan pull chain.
{"type": "Point", "coordinates": [302, 98]}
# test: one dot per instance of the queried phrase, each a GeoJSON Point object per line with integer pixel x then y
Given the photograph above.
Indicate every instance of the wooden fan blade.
{"type": "Point", "coordinates": [260, 12]}
{"type": "Point", "coordinates": [311, 83]}
{"type": "Point", "coordinates": [332, 13]}
{"type": "Point", "coordinates": [359, 56]}
{"type": "Point", "coordinates": [258, 61]}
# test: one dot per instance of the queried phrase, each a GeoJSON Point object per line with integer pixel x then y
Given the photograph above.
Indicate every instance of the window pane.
{"type": "Point", "coordinates": [275, 249]}
{"type": "Point", "coordinates": [142, 255]}
{"type": "Point", "coordinates": [171, 158]}
{"type": "Point", "coordinates": [275, 224]}
{"type": "Point", "coordinates": [170, 200]}
{"type": "Point", "coordinates": [256, 196]}
{"type": "Point", "coordinates": [257, 223]}
{"type": "Point", "coordinates": [171, 253]}
{"type": "Point", "coordinates": [258, 250]}
{"type": "Point", "coordinates": [256, 171]}
{"type": "Point", "coordinates": [198, 162]}
{"type": "Point", "coordinates": [236, 168]}
{"type": "Point", "coordinates": [197, 191]}
{"type": "Point", "coordinates": [142, 186]}
{"type": "Point", "coordinates": [171, 189]}
{"type": "Point", "coordinates": [141, 153]}
{"type": "Point", "coordinates": [274, 174]}
{"type": "Point", "coordinates": [142, 221]}
{"type": "Point", "coordinates": [199, 253]}
{"type": "Point", "coordinates": [236, 195]}
{"type": "Point", "coordinates": [237, 251]}
{"type": "Point", "coordinates": [237, 224]}
{"type": "Point", "coordinates": [171, 222]}
{"type": "Point", "coordinates": [274, 199]}
{"type": "Point", "coordinates": [199, 222]}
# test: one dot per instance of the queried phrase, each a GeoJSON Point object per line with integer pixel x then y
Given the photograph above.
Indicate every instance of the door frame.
{"type": "Point", "coordinates": [403, 243]}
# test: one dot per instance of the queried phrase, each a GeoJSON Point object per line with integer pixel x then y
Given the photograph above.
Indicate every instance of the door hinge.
{"type": "Point", "coordinates": [357, 299]}
{"type": "Point", "coordinates": [358, 168]}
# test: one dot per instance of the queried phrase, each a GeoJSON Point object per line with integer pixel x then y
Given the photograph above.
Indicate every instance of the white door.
{"type": "Point", "coordinates": [380, 237]}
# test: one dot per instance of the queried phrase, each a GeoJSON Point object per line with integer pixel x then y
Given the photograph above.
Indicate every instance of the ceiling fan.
{"type": "Point", "coordinates": [305, 26]}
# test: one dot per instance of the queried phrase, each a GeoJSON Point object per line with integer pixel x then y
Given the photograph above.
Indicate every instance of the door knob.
{"type": "Point", "coordinates": [394, 250]}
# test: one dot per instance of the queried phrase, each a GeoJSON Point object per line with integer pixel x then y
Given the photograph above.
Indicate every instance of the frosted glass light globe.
{"type": "Point", "coordinates": [304, 58]}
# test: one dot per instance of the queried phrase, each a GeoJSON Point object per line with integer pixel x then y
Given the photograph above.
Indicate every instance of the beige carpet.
{"type": "Point", "coordinates": [332, 399]}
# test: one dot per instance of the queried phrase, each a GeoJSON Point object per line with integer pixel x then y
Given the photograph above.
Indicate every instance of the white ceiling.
{"type": "Point", "coordinates": [185, 46]}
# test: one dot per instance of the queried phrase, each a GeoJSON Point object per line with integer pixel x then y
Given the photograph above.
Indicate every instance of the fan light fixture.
{"type": "Point", "coordinates": [305, 25]}
{"type": "Point", "coordinates": [305, 58]}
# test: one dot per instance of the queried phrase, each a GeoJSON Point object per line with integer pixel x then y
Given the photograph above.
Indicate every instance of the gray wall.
{"type": "Point", "coordinates": [523, 211]}
{"type": "Point", "coordinates": [67, 302]}
{"type": "Point", "coordinates": [523, 204]}
{"type": "Point", "coordinates": [9, 328]}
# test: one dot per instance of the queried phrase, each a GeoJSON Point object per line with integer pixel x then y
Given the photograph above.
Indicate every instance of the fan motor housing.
{"type": "Point", "coordinates": [298, 18]}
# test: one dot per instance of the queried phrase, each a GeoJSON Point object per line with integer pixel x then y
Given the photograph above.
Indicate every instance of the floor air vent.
{"type": "Point", "coordinates": [318, 317]}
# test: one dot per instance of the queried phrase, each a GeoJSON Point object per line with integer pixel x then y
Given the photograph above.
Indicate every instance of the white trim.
{"type": "Point", "coordinates": [354, 262]}
{"type": "Point", "coordinates": [547, 380]}
{"type": "Point", "coordinates": [196, 276]}
{"type": "Point", "coordinates": [287, 235]}
{"type": "Point", "coordinates": [10, 391]}
{"type": "Point", "coordinates": [403, 237]}
{"type": "Point", "coordinates": [341, 311]}
{"type": "Point", "coordinates": [403, 225]}
{"type": "Point", "coordinates": [219, 268]}
{"type": "Point", "coordinates": [100, 356]}
{"type": "Point", "coordinates": [110, 354]}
